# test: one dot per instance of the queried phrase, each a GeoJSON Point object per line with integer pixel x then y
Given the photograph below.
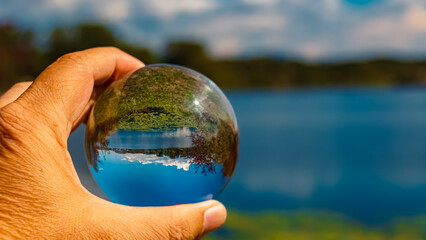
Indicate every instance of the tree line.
{"type": "Point", "coordinates": [22, 59]}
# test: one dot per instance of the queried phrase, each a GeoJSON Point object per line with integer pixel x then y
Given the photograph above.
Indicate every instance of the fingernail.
{"type": "Point", "coordinates": [214, 217]}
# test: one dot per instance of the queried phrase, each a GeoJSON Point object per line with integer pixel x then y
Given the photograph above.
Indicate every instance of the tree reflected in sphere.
{"type": "Point", "coordinates": [163, 135]}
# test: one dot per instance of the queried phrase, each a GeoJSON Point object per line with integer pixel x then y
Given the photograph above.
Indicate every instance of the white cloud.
{"type": "Point", "coordinates": [236, 24]}
{"type": "Point", "coordinates": [61, 5]}
{"type": "Point", "coordinates": [226, 47]}
{"type": "Point", "coordinates": [170, 8]}
{"type": "Point", "coordinates": [380, 30]}
{"type": "Point", "coordinates": [261, 2]}
{"type": "Point", "coordinates": [309, 28]}
{"type": "Point", "coordinates": [184, 132]}
{"type": "Point", "coordinates": [312, 50]}
{"type": "Point", "coordinates": [415, 18]}
{"type": "Point", "coordinates": [179, 163]}
{"type": "Point", "coordinates": [248, 24]}
{"type": "Point", "coordinates": [115, 10]}
{"type": "Point", "coordinates": [233, 33]}
{"type": "Point", "coordinates": [332, 5]}
{"type": "Point", "coordinates": [392, 32]}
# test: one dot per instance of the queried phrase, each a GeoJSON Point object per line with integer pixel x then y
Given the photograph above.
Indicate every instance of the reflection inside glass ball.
{"type": "Point", "coordinates": [163, 135]}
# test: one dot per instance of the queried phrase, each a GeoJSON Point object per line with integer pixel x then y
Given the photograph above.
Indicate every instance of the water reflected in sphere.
{"type": "Point", "coordinates": [163, 135]}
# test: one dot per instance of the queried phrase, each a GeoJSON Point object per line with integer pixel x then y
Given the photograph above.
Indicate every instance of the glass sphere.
{"type": "Point", "coordinates": [163, 135]}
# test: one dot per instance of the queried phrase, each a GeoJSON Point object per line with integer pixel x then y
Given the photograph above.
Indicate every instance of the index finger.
{"type": "Point", "coordinates": [61, 92]}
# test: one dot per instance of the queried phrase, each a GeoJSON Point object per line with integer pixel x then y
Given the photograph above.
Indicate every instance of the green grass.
{"type": "Point", "coordinates": [315, 226]}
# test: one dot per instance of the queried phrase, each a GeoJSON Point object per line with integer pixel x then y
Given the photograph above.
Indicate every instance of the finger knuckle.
{"type": "Point", "coordinates": [73, 58]}
{"type": "Point", "coordinates": [179, 227]}
{"type": "Point", "coordinates": [9, 119]}
{"type": "Point", "coordinates": [110, 49]}
{"type": "Point", "coordinates": [11, 126]}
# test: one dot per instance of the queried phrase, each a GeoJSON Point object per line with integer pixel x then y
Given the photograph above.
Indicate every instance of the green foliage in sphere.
{"type": "Point", "coordinates": [163, 99]}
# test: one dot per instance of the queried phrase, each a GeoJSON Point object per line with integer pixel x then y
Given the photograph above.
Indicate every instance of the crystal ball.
{"type": "Point", "coordinates": [162, 135]}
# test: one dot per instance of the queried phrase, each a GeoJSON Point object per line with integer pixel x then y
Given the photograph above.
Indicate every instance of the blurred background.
{"type": "Point", "coordinates": [329, 95]}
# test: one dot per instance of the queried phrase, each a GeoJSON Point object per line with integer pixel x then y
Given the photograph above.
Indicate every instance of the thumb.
{"type": "Point", "coordinates": [191, 220]}
{"type": "Point", "coordinates": [186, 221]}
{"type": "Point", "coordinates": [13, 93]}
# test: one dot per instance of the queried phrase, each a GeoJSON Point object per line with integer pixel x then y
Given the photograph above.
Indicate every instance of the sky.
{"type": "Point", "coordinates": [311, 30]}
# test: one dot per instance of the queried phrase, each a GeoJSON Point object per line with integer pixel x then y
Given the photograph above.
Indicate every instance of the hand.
{"type": "Point", "coordinates": [40, 193]}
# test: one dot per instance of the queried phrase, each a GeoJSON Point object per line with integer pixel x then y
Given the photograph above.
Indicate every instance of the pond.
{"type": "Point", "coordinates": [358, 153]}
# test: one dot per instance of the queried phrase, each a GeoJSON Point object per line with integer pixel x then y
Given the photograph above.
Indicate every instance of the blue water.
{"type": "Point", "coordinates": [358, 152]}
{"type": "Point", "coordinates": [148, 140]}
{"type": "Point", "coordinates": [148, 180]}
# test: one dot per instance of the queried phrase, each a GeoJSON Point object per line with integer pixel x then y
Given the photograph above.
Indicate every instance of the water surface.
{"type": "Point", "coordinates": [360, 153]}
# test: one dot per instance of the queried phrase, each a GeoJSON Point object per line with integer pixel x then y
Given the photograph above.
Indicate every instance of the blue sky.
{"type": "Point", "coordinates": [313, 30]}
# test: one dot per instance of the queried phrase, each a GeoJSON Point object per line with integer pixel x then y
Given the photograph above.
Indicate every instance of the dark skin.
{"type": "Point", "coordinates": [41, 196]}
